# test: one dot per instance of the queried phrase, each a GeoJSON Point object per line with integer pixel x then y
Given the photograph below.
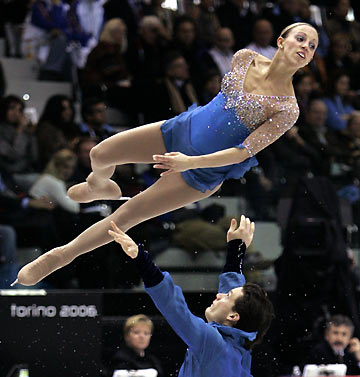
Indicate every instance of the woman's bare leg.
{"type": "Point", "coordinates": [168, 193]}
{"type": "Point", "coordinates": [137, 145]}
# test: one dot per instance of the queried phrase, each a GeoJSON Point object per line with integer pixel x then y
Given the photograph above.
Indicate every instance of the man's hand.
{"type": "Point", "coordinates": [172, 162]}
{"type": "Point", "coordinates": [127, 244]}
{"type": "Point", "coordinates": [354, 347]}
{"type": "Point", "coordinates": [245, 231]}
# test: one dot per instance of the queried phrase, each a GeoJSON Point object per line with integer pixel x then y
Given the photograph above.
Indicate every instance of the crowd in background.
{"type": "Point", "coordinates": [150, 61]}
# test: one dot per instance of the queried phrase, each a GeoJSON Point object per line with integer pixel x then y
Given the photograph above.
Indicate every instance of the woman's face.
{"type": "Point", "coordinates": [67, 112]}
{"type": "Point", "coordinates": [342, 85]}
{"type": "Point", "coordinates": [66, 170]}
{"type": "Point", "coordinates": [300, 45]}
{"type": "Point", "coordinates": [138, 338]}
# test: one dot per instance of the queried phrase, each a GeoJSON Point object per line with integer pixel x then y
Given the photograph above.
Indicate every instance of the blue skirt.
{"type": "Point", "coordinates": [177, 138]}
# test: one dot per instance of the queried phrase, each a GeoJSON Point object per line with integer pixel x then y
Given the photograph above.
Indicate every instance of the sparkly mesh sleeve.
{"type": "Point", "coordinates": [271, 130]}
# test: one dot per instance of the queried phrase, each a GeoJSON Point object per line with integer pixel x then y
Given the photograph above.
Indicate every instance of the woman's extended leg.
{"type": "Point", "coordinates": [137, 145]}
{"type": "Point", "coordinates": [168, 193]}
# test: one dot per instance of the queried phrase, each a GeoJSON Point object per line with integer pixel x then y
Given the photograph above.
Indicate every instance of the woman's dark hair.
{"type": "Point", "coordinates": [5, 104]}
{"type": "Point", "coordinates": [53, 109]}
{"type": "Point", "coordinates": [256, 312]}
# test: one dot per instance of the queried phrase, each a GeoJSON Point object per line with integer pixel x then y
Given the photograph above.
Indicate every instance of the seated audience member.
{"type": "Point", "coordinates": [186, 41]}
{"type": "Point", "coordinates": [337, 101]}
{"type": "Point", "coordinates": [237, 320]}
{"type": "Point", "coordinates": [151, 46]}
{"type": "Point", "coordinates": [56, 128]}
{"type": "Point", "coordinates": [338, 346]}
{"type": "Point", "coordinates": [262, 37]}
{"type": "Point", "coordinates": [219, 57]}
{"type": "Point", "coordinates": [206, 21]}
{"type": "Point", "coordinates": [86, 19]}
{"type": "Point", "coordinates": [165, 15]}
{"type": "Point", "coordinates": [18, 144]}
{"type": "Point", "coordinates": [19, 211]}
{"type": "Point", "coordinates": [174, 93]}
{"type": "Point", "coordinates": [52, 182]}
{"type": "Point", "coordinates": [315, 133]}
{"type": "Point", "coordinates": [303, 86]}
{"type": "Point", "coordinates": [338, 23]}
{"type": "Point", "coordinates": [47, 29]}
{"type": "Point", "coordinates": [83, 165]}
{"type": "Point", "coordinates": [93, 112]}
{"type": "Point", "coordinates": [8, 256]}
{"type": "Point", "coordinates": [106, 71]}
{"type": "Point", "coordinates": [234, 15]}
{"type": "Point", "coordinates": [133, 355]}
{"type": "Point", "coordinates": [211, 85]}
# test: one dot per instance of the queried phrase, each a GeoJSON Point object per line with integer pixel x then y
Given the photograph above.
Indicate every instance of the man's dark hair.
{"type": "Point", "coordinates": [53, 109]}
{"type": "Point", "coordinates": [256, 312]}
{"type": "Point", "coordinates": [5, 104]}
{"type": "Point", "coordinates": [339, 320]}
{"type": "Point", "coordinates": [87, 107]}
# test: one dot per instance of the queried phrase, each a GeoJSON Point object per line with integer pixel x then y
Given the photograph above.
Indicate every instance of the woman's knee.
{"type": "Point", "coordinates": [98, 155]}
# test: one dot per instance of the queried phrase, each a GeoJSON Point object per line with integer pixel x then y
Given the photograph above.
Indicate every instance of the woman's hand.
{"type": "Point", "coordinates": [173, 162]}
{"type": "Point", "coordinates": [127, 244]}
{"type": "Point", "coordinates": [245, 231]}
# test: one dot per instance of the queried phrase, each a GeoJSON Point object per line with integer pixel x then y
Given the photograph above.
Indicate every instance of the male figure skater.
{"type": "Point", "coordinates": [237, 319]}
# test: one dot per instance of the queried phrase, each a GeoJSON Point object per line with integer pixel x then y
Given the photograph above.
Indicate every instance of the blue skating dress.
{"type": "Point", "coordinates": [234, 118]}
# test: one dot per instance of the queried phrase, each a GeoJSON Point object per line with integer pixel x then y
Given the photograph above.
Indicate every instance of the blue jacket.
{"type": "Point", "coordinates": [214, 350]}
{"type": "Point", "coordinates": [336, 107]}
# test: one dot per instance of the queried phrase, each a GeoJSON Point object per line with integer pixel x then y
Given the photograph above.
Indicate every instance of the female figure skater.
{"type": "Point", "coordinates": [198, 149]}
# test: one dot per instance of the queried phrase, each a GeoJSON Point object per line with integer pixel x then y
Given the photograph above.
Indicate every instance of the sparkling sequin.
{"type": "Point", "coordinates": [267, 117]}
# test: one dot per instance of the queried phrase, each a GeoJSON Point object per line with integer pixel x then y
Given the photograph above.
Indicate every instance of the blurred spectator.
{"type": "Point", "coordinates": [93, 112]}
{"type": "Point", "coordinates": [303, 85]}
{"type": "Point", "coordinates": [338, 347]}
{"type": "Point", "coordinates": [133, 354]}
{"type": "Point", "coordinates": [83, 165]}
{"type": "Point", "coordinates": [211, 85]}
{"type": "Point", "coordinates": [239, 19]}
{"type": "Point", "coordinates": [337, 23]}
{"type": "Point", "coordinates": [165, 15]}
{"type": "Point", "coordinates": [106, 71]}
{"type": "Point", "coordinates": [52, 182]}
{"type": "Point", "coordinates": [337, 101]}
{"type": "Point", "coordinates": [128, 11]}
{"type": "Point", "coordinates": [8, 256]}
{"type": "Point", "coordinates": [15, 11]}
{"type": "Point", "coordinates": [339, 50]}
{"type": "Point", "coordinates": [185, 40]}
{"type": "Point", "coordinates": [19, 211]}
{"type": "Point", "coordinates": [151, 46]}
{"type": "Point", "coordinates": [295, 158]}
{"type": "Point", "coordinates": [174, 93]}
{"type": "Point", "coordinates": [206, 21]}
{"type": "Point", "coordinates": [86, 20]}
{"type": "Point", "coordinates": [262, 37]}
{"type": "Point", "coordinates": [219, 57]}
{"type": "Point", "coordinates": [47, 28]}
{"type": "Point", "coordinates": [284, 13]}
{"type": "Point", "coordinates": [18, 145]}
{"type": "Point", "coordinates": [56, 128]}
{"type": "Point", "coordinates": [314, 131]}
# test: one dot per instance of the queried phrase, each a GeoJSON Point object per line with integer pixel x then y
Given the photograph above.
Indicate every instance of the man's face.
{"type": "Point", "coordinates": [338, 337]}
{"type": "Point", "coordinates": [263, 33]}
{"type": "Point", "coordinates": [222, 306]}
{"type": "Point", "coordinates": [98, 115]}
{"type": "Point", "coordinates": [14, 113]}
{"type": "Point", "coordinates": [316, 114]}
{"type": "Point", "coordinates": [84, 152]}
